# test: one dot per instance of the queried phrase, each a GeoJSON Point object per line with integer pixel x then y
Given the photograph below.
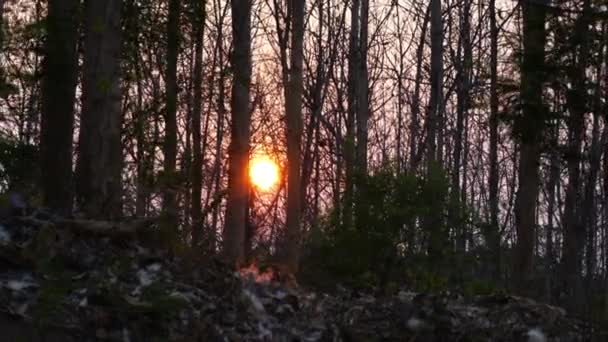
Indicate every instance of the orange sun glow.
{"type": "Point", "coordinates": [264, 172]}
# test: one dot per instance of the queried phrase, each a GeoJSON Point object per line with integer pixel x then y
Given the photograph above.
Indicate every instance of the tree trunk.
{"type": "Point", "coordinates": [433, 222]}
{"type": "Point", "coordinates": [293, 109]}
{"type": "Point", "coordinates": [170, 143]}
{"type": "Point", "coordinates": [415, 156]}
{"type": "Point", "coordinates": [352, 110]}
{"type": "Point", "coordinates": [59, 96]}
{"type": "Point", "coordinates": [554, 169]}
{"type": "Point", "coordinates": [361, 204]}
{"type": "Point", "coordinates": [529, 129]}
{"type": "Point", "coordinates": [238, 155]}
{"type": "Point", "coordinates": [493, 241]}
{"type": "Point", "coordinates": [463, 80]}
{"type": "Point", "coordinates": [574, 229]}
{"type": "Point", "coordinates": [197, 160]}
{"type": "Point", "coordinates": [99, 163]}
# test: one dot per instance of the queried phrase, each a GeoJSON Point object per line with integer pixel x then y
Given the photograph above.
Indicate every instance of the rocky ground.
{"type": "Point", "coordinates": [65, 280]}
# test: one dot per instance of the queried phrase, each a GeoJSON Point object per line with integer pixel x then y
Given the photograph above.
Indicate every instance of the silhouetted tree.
{"type": "Point", "coordinates": [59, 95]}
{"type": "Point", "coordinates": [238, 155]}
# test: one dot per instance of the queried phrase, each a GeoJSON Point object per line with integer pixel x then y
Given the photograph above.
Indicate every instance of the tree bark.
{"type": "Point", "coordinates": [530, 130]}
{"type": "Point", "coordinates": [59, 96]}
{"type": "Point", "coordinates": [293, 109]}
{"type": "Point", "coordinates": [238, 155]}
{"type": "Point", "coordinates": [361, 203]}
{"type": "Point", "coordinates": [352, 110]}
{"type": "Point", "coordinates": [493, 241]}
{"type": "Point", "coordinates": [574, 229]}
{"type": "Point", "coordinates": [170, 143]}
{"type": "Point", "coordinates": [415, 155]}
{"type": "Point", "coordinates": [432, 222]}
{"type": "Point", "coordinates": [463, 80]}
{"type": "Point", "coordinates": [99, 164]}
{"type": "Point", "coordinates": [197, 159]}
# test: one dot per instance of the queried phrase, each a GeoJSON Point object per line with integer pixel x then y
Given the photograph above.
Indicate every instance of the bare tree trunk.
{"type": "Point", "coordinates": [415, 105]}
{"type": "Point", "coordinates": [432, 222]}
{"type": "Point", "coordinates": [589, 205]}
{"type": "Point", "coordinates": [197, 160]}
{"type": "Point", "coordinates": [59, 96]}
{"type": "Point", "coordinates": [493, 241]}
{"type": "Point", "coordinates": [293, 109]}
{"type": "Point", "coordinates": [238, 155]}
{"type": "Point", "coordinates": [352, 110]}
{"type": "Point", "coordinates": [530, 133]}
{"type": "Point", "coordinates": [99, 164]}
{"type": "Point", "coordinates": [361, 203]}
{"type": "Point", "coordinates": [574, 229]}
{"type": "Point", "coordinates": [549, 230]}
{"type": "Point", "coordinates": [463, 80]}
{"type": "Point", "coordinates": [170, 143]}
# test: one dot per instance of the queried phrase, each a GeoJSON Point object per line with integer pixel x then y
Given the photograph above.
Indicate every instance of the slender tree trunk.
{"type": "Point", "coordinates": [99, 164]}
{"type": "Point", "coordinates": [59, 96]}
{"type": "Point", "coordinates": [549, 231]}
{"type": "Point", "coordinates": [415, 156]}
{"type": "Point", "coordinates": [238, 155]}
{"type": "Point", "coordinates": [493, 235]}
{"type": "Point", "coordinates": [529, 129]}
{"type": "Point", "coordinates": [293, 108]}
{"type": "Point", "coordinates": [589, 213]}
{"type": "Point", "coordinates": [197, 160]}
{"type": "Point", "coordinates": [361, 203]}
{"type": "Point", "coordinates": [574, 229]}
{"type": "Point", "coordinates": [433, 223]}
{"type": "Point", "coordinates": [352, 110]}
{"type": "Point", "coordinates": [170, 143]}
{"type": "Point", "coordinates": [463, 79]}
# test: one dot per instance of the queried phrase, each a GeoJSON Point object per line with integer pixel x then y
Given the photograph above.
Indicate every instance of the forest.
{"type": "Point", "coordinates": [436, 145]}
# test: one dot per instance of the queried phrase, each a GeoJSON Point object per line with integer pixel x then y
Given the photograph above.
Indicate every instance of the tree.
{"type": "Point", "coordinates": [351, 115]}
{"type": "Point", "coordinates": [197, 161]}
{"type": "Point", "coordinates": [362, 117]}
{"type": "Point", "coordinates": [99, 163]}
{"type": "Point", "coordinates": [238, 155]}
{"type": "Point", "coordinates": [493, 234]}
{"type": "Point", "coordinates": [293, 113]}
{"type": "Point", "coordinates": [529, 129]}
{"type": "Point", "coordinates": [574, 227]}
{"type": "Point", "coordinates": [170, 145]}
{"type": "Point", "coordinates": [59, 95]}
{"type": "Point", "coordinates": [433, 221]}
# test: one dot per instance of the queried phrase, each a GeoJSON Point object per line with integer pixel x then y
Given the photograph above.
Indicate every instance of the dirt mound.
{"type": "Point", "coordinates": [64, 280]}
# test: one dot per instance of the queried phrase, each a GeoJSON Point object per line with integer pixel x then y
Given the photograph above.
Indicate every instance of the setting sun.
{"type": "Point", "coordinates": [264, 172]}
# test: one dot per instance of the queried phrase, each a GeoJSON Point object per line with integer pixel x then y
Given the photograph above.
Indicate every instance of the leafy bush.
{"type": "Point", "coordinates": [370, 255]}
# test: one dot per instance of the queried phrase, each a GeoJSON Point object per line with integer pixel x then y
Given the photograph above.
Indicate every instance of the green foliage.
{"type": "Point", "coordinates": [367, 256]}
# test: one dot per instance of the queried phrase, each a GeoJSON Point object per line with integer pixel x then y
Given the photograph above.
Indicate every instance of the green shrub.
{"type": "Point", "coordinates": [368, 255]}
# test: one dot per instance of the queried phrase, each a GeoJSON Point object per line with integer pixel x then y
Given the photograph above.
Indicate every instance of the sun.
{"type": "Point", "coordinates": [264, 172]}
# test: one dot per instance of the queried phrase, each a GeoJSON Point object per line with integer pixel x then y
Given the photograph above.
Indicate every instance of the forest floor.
{"type": "Point", "coordinates": [83, 281]}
